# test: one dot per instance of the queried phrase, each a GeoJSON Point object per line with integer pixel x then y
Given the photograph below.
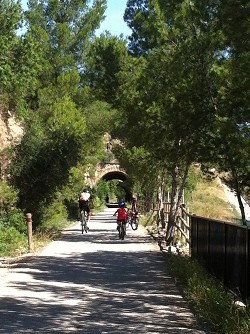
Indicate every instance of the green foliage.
{"type": "Point", "coordinates": [106, 57]}
{"type": "Point", "coordinates": [17, 220]}
{"type": "Point", "coordinates": [209, 297]}
{"type": "Point", "coordinates": [102, 190]}
{"type": "Point", "coordinates": [12, 242]}
{"type": "Point", "coordinates": [19, 61]}
{"type": "Point", "coordinates": [10, 215]}
{"type": "Point", "coordinates": [111, 188]}
{"type": "Point", "coordinates": [12, 222]}
{"type": "Point", "coordinates": [193, 179]}
{"type": "Point", "coordinates": [145, 20]}
{"type": "Point", "coordinates": [8, 196]}
{"type": "Point", "coordinates": [63, 31]}
{"type": "Point", "coordinates": [141, 167]}
{"type": "Point", "coordinates": [55, 216]}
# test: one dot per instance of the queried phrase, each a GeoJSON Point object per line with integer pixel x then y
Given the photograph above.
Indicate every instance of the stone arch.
{"type": "Point", "coordinates": [113, 172]}
{"type": "Point", "coordinates": [110, 171]}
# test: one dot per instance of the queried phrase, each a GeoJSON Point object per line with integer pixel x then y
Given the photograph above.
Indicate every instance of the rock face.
{"type": "Point", "coordinates": [11, 133]}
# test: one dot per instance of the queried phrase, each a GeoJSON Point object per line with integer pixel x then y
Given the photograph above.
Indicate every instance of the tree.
{"type": "Point", "coordinates": [144, 18]}
{"type": "Point", "coordinates": [106, 57]}
{"type": "Point", "coordinates": [231, 136]}
{"type": "Point", "coordinates": [64, 30]}
{"type": "Point", "coordinates": [18, 62]}
{"type": "Point", "coordinates": [174, 106]}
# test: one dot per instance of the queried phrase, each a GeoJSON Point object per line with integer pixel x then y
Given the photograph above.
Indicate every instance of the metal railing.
{"type": "Point", "coordinates": [223, 248]}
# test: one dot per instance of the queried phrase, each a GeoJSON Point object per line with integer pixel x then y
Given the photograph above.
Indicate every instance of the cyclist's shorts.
{"type": "Point", "coordinates": [121, 221]}
{"type": "Point", "coordinates": [85, 208]}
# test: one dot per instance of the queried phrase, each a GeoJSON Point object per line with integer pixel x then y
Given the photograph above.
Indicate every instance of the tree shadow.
{"type": "Point", "coordinates": [102, 286]}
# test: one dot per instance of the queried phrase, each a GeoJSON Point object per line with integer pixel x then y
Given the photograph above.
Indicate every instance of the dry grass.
{"type": "Point", "coordinates": [209, 200]}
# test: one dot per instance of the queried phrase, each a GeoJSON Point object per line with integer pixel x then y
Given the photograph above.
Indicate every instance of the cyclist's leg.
{"type": "Point", "coordinates": [119, 228]}
{"type": "Point", "coordinates": [88, 213]}
{"type": "Point", "coordinates": [82, 220]}
{"type": "Point", "coordinates": [125, 226]}
{"type": "Point", "coordinates": [123, 229]}
{"type": "Point", "coordinates": [86, 228]}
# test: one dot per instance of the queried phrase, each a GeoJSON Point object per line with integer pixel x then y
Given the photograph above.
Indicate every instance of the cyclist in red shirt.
{"type": "Point", "coordinates": [122, 216]}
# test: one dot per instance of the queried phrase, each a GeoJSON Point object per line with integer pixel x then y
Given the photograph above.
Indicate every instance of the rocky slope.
{"type": "Point", "coordinates": [11, 133]}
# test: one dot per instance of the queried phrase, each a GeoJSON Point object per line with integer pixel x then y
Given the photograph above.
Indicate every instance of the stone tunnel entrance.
{"type": "Point", "coordinates": [123, 178]}
{"type": "Point", "coordinates": [113, 171]}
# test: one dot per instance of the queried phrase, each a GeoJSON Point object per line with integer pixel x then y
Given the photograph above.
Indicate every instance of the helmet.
{"type": "Point", "coordinates": [121, 204]}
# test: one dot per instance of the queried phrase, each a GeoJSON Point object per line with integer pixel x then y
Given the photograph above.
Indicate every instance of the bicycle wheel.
{"type": "Point", "coordinates": [83, 221]}
{"type": "Point", "coordinates": [134, 223]}
{"type": "Point", "coordinates": [122, 231]}
{"type": "Point", "coordinates": [86, 228]}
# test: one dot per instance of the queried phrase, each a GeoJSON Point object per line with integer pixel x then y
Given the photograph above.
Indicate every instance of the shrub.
{"type": "Point", "coordinates": [55, 217]}
{"type": "Point", "coordinates": [12, 242]}
{"type": "Point", "coordinates": [209, 297]}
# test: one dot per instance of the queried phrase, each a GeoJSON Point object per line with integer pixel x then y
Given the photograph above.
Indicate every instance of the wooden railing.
{"type": "Point", "coordinates": [182, 225]}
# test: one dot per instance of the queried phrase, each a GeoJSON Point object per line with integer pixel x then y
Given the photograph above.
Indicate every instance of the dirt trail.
{"type": "Point", "coordinates": [94, 283]}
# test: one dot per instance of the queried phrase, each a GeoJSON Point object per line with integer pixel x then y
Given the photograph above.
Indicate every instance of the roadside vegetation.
{"type": "Point", "coordinates": [213, 305]}
{"type": "Point", "coordinates": [209, 200]}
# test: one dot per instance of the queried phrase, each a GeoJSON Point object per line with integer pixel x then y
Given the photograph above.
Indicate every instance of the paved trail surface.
{"type": "Point", "coordinates": [94, 283]}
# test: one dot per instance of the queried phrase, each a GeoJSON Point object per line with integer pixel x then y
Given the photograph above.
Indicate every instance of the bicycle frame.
{"type": "Point", "coordinates": [84, 225]}
{"type": "Point", "coordinates": [121, 229]}
{"type": "Point", "coordinates": [133, 220]}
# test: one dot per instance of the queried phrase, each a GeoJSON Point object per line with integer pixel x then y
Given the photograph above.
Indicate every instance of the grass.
{"type": "Point", "coordinates": [209, 200]}
{"type": "Point", "coordinates": [212, 304]}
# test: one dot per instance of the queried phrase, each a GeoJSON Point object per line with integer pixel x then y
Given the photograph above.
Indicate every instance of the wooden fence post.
{"type": "Point", "coordinates": [29, 229]}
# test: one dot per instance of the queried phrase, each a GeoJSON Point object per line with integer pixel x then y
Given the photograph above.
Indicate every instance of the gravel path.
{"type": "Point", "coordinates": [94, 283]}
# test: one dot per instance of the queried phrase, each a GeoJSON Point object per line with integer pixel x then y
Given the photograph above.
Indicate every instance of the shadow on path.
{"type": "Point", "coordinates": [94, 283]}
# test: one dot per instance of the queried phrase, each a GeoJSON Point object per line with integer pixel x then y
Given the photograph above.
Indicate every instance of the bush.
{"type": "Point", "coordinates": [55, 217]}
{"type": "Point", "coordinates": [12, 242]}
{"type": "Point", "coordinates": [17, 220]}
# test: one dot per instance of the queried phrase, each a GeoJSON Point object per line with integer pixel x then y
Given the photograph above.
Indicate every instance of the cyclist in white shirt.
{"type": "Point", "coordinates": [83, 201]}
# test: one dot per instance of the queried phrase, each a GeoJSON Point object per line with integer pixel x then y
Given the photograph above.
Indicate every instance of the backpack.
{"type": "Point", "coordinates": [82, 201]}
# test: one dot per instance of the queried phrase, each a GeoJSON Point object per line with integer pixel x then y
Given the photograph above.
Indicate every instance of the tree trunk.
{"type": "Point", "coordinates": [173, 207]}
{"type": "Point", "coordinates": [176, 196]}
{"type": "Point", "coordinates": [238, 194]}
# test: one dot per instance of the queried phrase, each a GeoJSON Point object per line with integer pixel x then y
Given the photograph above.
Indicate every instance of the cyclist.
{"type": "Point", "coordinates": [134, 204]}
{"type": "Point", "coordinates": [121, 213]}
{"type": "Point", "coordinates": [84, 202]}
{"type": "Point", "coordinates": [133, 213]}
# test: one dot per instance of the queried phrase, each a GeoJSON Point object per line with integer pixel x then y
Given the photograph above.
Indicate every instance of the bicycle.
{"type": "Point", "coordinates": [121, 227]}
{"type": "Point", "coordinates": [84, 216]}
{"type": "Point", "coordinates": [133, 220]}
